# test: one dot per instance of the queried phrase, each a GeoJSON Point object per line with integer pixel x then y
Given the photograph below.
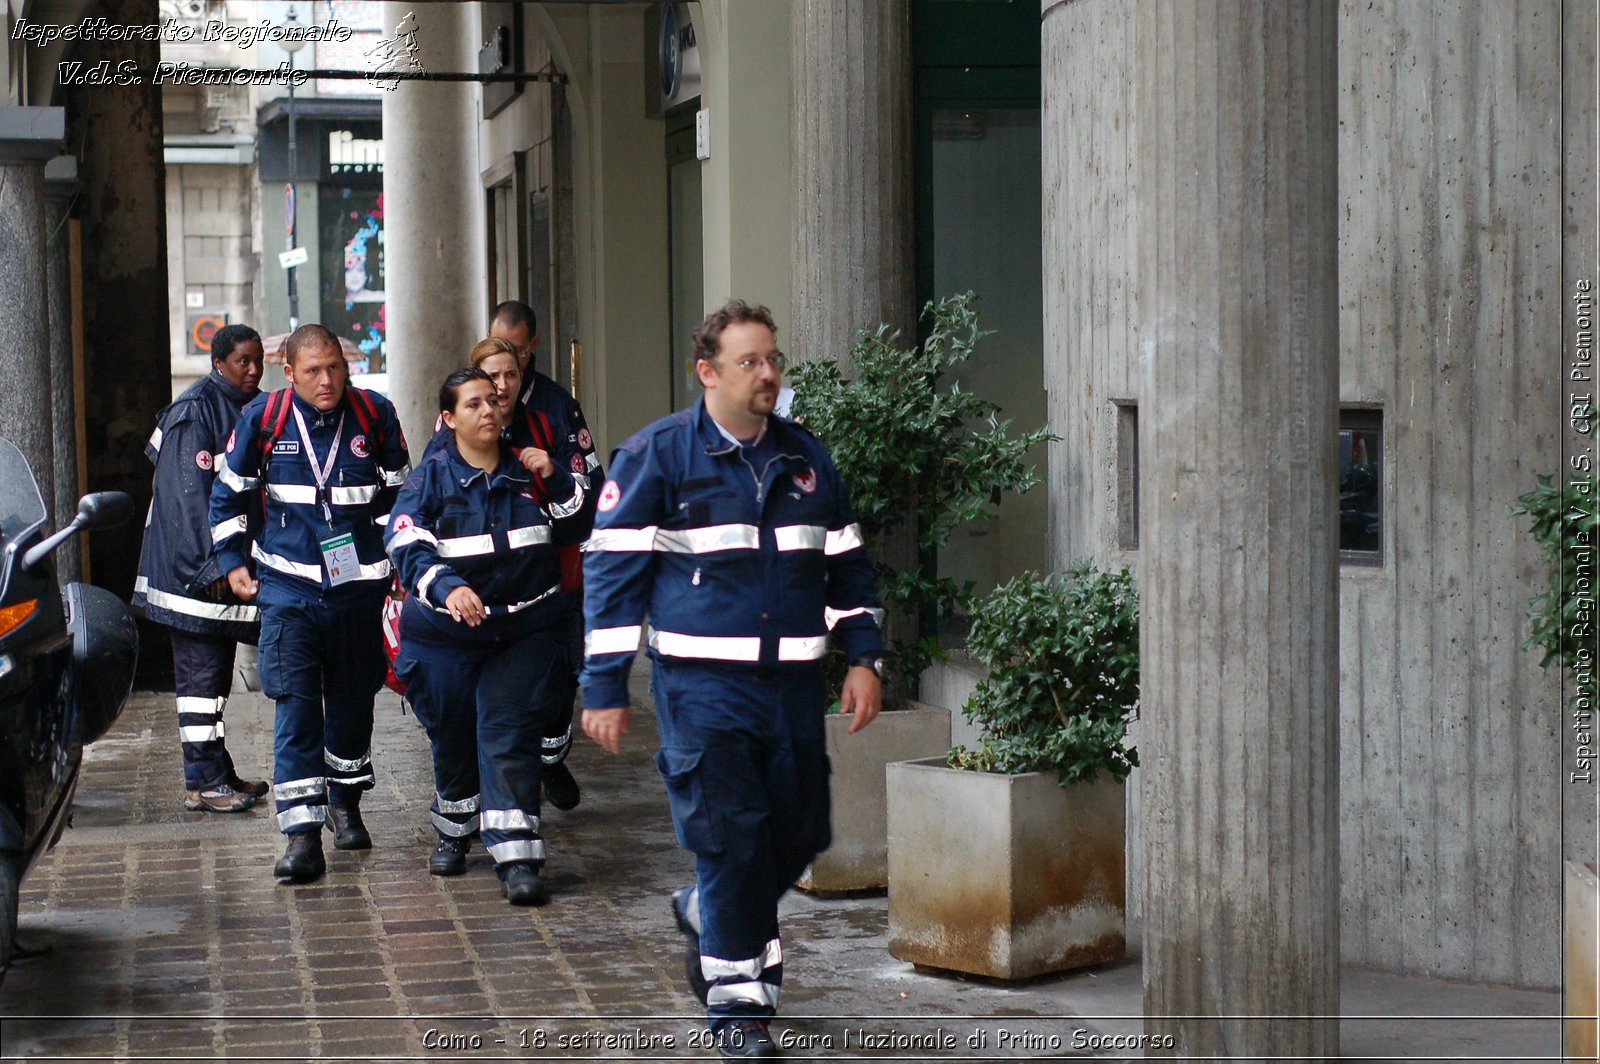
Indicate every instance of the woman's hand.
{"type": "Point", "coordinates": [536, 461]}
{"type": "Point", "coordinates": [465, 605]}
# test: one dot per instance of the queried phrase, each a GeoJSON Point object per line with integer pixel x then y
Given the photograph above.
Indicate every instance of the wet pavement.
{"type": "Point", "coordinates": [168, 939]}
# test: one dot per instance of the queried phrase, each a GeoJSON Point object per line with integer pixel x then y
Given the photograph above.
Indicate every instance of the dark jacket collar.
{"type": "Point", "coordinates": [782, 438]}
{"type": "Point", "coordinates": [238, 396]}
{"type": "Point", "coordinates": [465, 472]}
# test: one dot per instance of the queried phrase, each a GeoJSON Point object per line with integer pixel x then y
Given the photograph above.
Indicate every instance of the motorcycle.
{"type": "Point", "coordinates": [66, 666]}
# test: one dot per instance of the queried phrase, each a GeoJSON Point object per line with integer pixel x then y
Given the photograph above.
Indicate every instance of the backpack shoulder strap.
{"type": "Point", "coordinates": [274, 415]}
{"type": "Point", "coordinates": [538, 428]}
{"type": "Point", "coordinates": [366, 412]}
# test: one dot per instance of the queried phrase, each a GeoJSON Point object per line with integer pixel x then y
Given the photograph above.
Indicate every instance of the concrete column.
{"type": "Point", "coordinates": [1236, 166]}
{"type": "Point", "coordinates": [433, 216]}
{"type": "Point", "coordinates": [851, 115]}
{"type": "Point", "coordinates": [28, 137]}
{"type": "Point", "coordinates": [61, 183]}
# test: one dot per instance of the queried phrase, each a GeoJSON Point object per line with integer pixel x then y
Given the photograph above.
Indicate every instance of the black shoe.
{"type": "Point", "coordinates": [254, 788]}
{"type": "Point", "coordinates": [560, 787]}
{"type": "Point", "coordinates": [449, 858]}
{"type": "Point", "coordinates": [349, 833]}
{"type": "Point", "coordinates": [521, 884]}
{"type": "Point", "coordinates": [745, 1038]}
{"type": "Point", "coordinates": [302, 859]}
{"type": "Point", "coordinates": [691, 959]}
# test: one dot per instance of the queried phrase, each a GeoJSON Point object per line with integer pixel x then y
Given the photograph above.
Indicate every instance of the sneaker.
{"type": "Point", "coordinates": [745, 1038]}
{"type": "Point", "coordinates": [219, 799]}
{"type": "Point", "coordinates": [254, 788]}
{"type": "Point", "coordinates": [521, 884]}
{"type": "Point", "coordinates": [560, 787]}
{"type": "Point", "coordinates": [449, 858]}
{"type": "Point", "coordinates": [691, 958]}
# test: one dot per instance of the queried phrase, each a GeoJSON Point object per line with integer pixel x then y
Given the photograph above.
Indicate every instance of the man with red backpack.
{"type": "Point", "coordinates": [326, 458]}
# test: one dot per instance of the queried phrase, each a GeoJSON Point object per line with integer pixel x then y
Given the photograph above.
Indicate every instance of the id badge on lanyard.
{"type": "Point", "coordinates": [338, 551]}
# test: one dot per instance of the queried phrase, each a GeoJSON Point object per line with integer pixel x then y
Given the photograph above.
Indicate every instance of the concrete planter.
{"type": "Point", "coordinates": [1003, 876]}
{"type": "Point", "coordinates": [856, 860]}
{"type": "Point", "coordinates": [1582, 980]}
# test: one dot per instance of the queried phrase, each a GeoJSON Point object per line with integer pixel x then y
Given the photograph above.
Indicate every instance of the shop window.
{"type": "Point", "coordinates": [1361, 487]}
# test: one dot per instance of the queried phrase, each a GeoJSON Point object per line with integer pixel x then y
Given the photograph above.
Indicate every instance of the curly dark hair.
{"type": "Point", "coordinates": [708, 334]}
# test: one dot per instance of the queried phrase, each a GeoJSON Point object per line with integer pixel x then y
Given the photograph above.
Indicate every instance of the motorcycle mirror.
{"type": "Point", "coordinates": [104, 509]}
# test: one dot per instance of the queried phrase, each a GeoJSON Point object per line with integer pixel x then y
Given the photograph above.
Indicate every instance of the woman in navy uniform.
{"type": "Point", "coordinates": [474, 535]}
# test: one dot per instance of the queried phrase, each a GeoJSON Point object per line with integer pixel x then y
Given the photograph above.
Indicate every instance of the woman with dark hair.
{"type": "Point", "coordinates": [180, 584]}
{"type": "Point", "coordinates": [473, 536]}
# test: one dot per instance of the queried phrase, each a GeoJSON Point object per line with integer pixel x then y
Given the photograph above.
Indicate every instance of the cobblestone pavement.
{"type": "Point", "coordinates": [170, 940]}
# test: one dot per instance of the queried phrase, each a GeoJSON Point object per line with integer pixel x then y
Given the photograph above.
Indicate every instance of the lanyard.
{"type": "Point", "coordinates": [320, 475]}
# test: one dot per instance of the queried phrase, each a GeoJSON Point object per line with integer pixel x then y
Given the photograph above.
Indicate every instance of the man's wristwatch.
{"type": "Point", "coordinates": [869, 661]}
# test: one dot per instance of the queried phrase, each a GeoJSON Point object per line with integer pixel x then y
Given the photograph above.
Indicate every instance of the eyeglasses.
{"type": "Point", "coordinates": [778, 363]}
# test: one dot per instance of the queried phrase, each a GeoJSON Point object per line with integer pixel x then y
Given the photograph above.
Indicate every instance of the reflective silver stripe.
{"type": "Point", "coordinates": [200, 733]}
{"type": "Point", "coordinates": [200, 707]}
{"type": "Point", "coordinates": [581, 479]}
{"type": "Point", "coordinates": [800, 537]}
{"type": "Point", "coordinates": [228, 529]}
{"type": "Point", "coordinates": [284, 565]}
{"type": "Point", "coordinates": [302, 814]}
{"type": "Point", "coordinates": [846, 538]}
{"type": "Point", "coordinates": [517, 850]}
{"type": "Point", "coordinates": [347, 766]}
{"type": "Point", "coordinates": [236, 483]}
{"type": "Point", "coordinates": [754, 992]}
{"type": "Point", "coordinates": [372, 571]}
{"type": "Point", "coordinates": [213, 611]}
{"type": "Point", "coordinates": [455, 829]}
{"type": "Point", "coordinates": [414, 534]}
{"type": "Point", "coordinates": [293, 789]}
{"type": "Point", "coordinates": [531, 536]}
{"type": "Point", "coordinates": [525, 603]}
{"type": "Point", "coordinates": [155, 440]}
{"type": "Point", "coordinates": [395, 479]}
{"type": "Point", "coordinates": [465, 805]}
{"type": "Point", "coordinates": [465, 546]}
{"type": "Point", "coordinates": [623, 640]}
{"type": "Point", "coordinates": [833, 616]}
{"type": "Point", "coordinates": [708, 539]}
{"type": "Point", "coordinates": [714, 647]}
{"type": "Point", "coordinates": [623, 539]}
{"type": "Point", "coordinates": [353, 496]}
{"type": "Point", "coordinates": [691, 912]}
{"type": "Point", "coordinates": [427, 581]}
{"type": "Point", "coordinates": [558, 742]}
{"type": "Point", "coordinates": [559, 510]}
{"type": "Point", "coordinates": [294, 494]}
{"type": "Point", "coordinates": [365, 777]}
{"type": "Point", "coordinates": [592, 460]}
{"type": "Point", "coordinates": [802, 648]}
{"type": "Point", "coordinates": [716, 968]}
{"type": "Point", "coordinates": [508, 820]}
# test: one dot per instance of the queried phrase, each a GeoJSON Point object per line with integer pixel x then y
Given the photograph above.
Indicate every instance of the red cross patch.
{"type": "Point", "coordinates": [577, 463]}
{"type": "Point", "coordinates": [807, 481]}
{"type": "Point", "coordinates": [203, 459]}
{"type": "Point", "coordinates": [231, 436]}
{"type": "Point", "coordinates": [358, 446]}
{"type": "Point", "coordinates": [402, 522]}
{"type": "Point", "coordinates": [610, 495]}
{"type": "Point", "coordinates": [585, 440]}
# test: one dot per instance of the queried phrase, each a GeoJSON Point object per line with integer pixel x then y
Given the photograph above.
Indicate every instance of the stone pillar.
{"type": "Point", "coordinates": [28, 137]}
{"type": "Point", "coordinates": [1236, 164]}
{"type": "Point", "coordinates": [433, 216]}
{"type": "Point", "coordinates": [851, 116]}
{"type": "Point", "coordinates": [61, 183]}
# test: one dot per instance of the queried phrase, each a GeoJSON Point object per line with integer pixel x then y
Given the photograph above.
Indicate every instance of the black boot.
{"type": "Point", "coordinates": [691, 958]}
{"type": "Point", "coordinates": [302, 859]}
{"type": "Point", "coordinates": [449, 858]}
{"type": "Point", "coordinates": [742, 1039]}
{"type": "Point", "coordinates": [560, 787]}
{"type": "Point", "coordinates": [349, 833]}
{"type": "Point", "coordinates": [522, 885]}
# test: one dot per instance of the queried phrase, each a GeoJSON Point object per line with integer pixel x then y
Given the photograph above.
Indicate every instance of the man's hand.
{"type": "Point", "coordinates": [536, 461]}
{"type": "Point", "coordinates": [465, 605]}
{"type": "Point", "coordinates": [861, 696]}
{"type": "Point", "coordinates": [608, 726]}
{"type": "Point", "coordinates": [242, 586]}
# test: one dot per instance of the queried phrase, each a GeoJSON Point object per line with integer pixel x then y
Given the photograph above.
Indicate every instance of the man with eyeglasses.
{"type": "Point", "coordinates": [555, 408]}
{"type": "Point", "coordinates": [731, 529]}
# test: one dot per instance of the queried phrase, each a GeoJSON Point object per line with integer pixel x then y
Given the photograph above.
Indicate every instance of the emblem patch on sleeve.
{"type": "Point", "coordinates": [807, 481]}
{"type": "Point", "coordinates": [610, 495]}
{"type": "Point", "coordinates": [358, 446]}
{"type": "Point", "coordinates": [203, 459]}
{"type": "Point", "coordinates": [585, 440]}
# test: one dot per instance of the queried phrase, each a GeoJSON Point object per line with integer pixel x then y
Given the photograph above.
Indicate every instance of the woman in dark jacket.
{"type": "Point", "coordinates": [180, 584]}
{"type": "Point", "coordinates": [473, 534]}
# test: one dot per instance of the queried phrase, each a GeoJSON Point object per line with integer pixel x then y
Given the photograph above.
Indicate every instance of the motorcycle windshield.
{"type": "Point", "coordinates": [21, 507]}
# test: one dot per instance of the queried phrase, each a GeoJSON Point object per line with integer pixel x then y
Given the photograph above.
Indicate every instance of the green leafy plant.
{"type": "Point", "coordinates": [915, 455]}
{"type": "Point", "coordinates": [1566, 525]}
{"type": "Point", "coordinates": [1063, 654]}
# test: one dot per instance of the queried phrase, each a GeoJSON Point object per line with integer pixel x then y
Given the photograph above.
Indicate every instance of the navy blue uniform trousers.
{"type": "Point", "coordinates": [745, 763]}
{"type": "Point", "coordinates": [202, 667]}
{"type": "Point", "coordinates": [485, 707]}
{"type": "Point", "coordinates": [322, 665]}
